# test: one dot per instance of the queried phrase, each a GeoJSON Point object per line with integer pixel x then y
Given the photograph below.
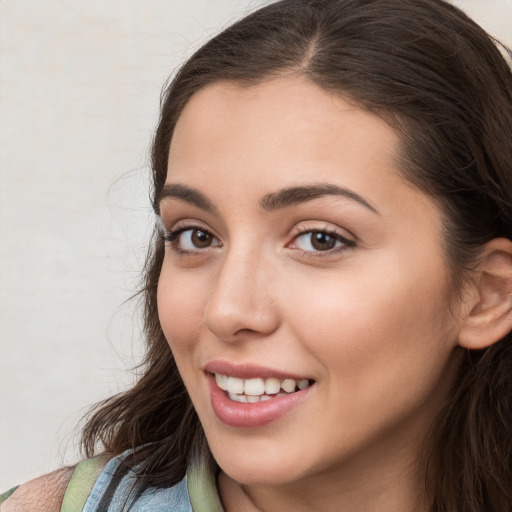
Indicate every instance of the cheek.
{"type": "Point", "coordinates": [373, 333]}
{"type": "Point", "coordinates": [385, 359]}
{"type": "Point", "coordinates": [180, 302]}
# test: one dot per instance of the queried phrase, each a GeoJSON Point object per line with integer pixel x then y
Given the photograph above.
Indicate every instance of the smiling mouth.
{"type": "Point", "coordinates": [259, 389]}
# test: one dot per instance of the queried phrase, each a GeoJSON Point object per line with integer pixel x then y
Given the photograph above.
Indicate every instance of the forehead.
{"type": "Point", "coordinates": [283, 118]}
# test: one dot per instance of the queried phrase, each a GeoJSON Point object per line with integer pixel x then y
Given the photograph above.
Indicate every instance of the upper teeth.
{"type": "Point", "coordinates": [258, 386]}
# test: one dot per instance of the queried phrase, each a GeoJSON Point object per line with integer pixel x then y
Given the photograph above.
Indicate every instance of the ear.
{"type": "Point", "coordinates": [488, 314]}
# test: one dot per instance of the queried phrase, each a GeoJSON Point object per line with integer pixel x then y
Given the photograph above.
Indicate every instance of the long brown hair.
{"type": "Point", "coordinates": [439, 80]}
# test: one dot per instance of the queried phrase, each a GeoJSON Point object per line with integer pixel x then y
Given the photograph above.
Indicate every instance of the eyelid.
{"type": "Point", "coordinates": [181, 224]}
{"type": "Point", "coordinates": [308, 226]}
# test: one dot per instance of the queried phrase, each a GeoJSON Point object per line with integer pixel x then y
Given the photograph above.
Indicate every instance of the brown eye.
{"type": "Point", "coordinates": [201, 239]}
{"type": "Point", "coordinates": [191, 239]}
{"type": "Point", "coordinates": [322, 241]}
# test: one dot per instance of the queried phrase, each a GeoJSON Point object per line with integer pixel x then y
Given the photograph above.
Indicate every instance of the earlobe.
{"type": "Point", "coordinates": [489, 316]}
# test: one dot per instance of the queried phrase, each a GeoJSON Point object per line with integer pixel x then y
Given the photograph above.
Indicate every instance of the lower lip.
{"type": "Point", "coordinates": [258, 414]}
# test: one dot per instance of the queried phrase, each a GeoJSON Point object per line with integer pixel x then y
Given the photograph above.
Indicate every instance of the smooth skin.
{"type": "Point", "coordinates": [368, 318]}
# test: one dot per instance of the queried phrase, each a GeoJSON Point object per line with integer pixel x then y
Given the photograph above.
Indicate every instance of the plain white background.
{"type": "Point", "coordinates": [79, 91]}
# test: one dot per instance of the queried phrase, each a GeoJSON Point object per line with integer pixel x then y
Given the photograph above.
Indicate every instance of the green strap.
{"type": "Point", "coordinates": [202, 490]}
{"type": "Point", "coordinates": [82, 481]}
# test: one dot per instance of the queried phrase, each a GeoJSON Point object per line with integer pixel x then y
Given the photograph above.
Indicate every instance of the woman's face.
{"type": "Point", "coordinates": [300, 262]}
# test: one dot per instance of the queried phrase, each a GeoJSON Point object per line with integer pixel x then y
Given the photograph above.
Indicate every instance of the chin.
{"type": "Point", "coordinates": [266, 466]}
{"type": "Point", "coordinates": [258, 475]}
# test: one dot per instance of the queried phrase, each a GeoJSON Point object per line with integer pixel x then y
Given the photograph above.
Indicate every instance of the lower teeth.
{"type": "Point", "coordinates": [253, 399]}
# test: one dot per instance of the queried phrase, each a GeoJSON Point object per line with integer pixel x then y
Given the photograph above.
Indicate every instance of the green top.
{"type": "Point", "coordinates": [202, 490]}
{"type": "Point", "coordinates": [81, 483]}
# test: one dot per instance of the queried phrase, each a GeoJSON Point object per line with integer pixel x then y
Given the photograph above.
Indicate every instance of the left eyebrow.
{"type": "Point", "coordinates": [296, 195]}
{"type": "Point", "coordinates": [186, 194]}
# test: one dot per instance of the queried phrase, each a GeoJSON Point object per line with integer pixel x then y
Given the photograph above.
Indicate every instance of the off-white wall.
{"type": "Point", "coordinates": [79, 89]}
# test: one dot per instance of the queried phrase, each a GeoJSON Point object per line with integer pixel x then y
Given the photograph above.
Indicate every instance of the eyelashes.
{"type": "Point", "coordinates": [315, 241]}
{"type": "Point", "coordinates": [193, 239]}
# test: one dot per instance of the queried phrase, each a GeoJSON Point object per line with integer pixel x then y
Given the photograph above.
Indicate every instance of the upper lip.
{"type": "Point", "coordinates": [249, 371]}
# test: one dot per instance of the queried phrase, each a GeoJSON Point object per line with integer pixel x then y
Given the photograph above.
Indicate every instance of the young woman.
{"type": "Point", "coordinates": [329, 293]}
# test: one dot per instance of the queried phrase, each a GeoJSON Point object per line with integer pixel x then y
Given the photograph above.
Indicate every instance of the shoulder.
{"type": "Point", "coordinates": [43, 494]}
{"type": "Point", "coordinates": [65, 489]}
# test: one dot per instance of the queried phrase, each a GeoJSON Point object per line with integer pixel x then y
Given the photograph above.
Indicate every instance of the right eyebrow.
{"type": "Point", "coordinates": [301, 194]}
{"type": "Point", "coordinates": [183, 193]}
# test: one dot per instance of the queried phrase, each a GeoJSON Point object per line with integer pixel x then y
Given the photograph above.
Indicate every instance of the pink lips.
{"type": "Point", "coordinates": [237, 414]}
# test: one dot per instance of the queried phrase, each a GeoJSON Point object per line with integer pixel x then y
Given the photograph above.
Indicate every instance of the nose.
{"type": "Point", "coordinates": [241, 304]}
